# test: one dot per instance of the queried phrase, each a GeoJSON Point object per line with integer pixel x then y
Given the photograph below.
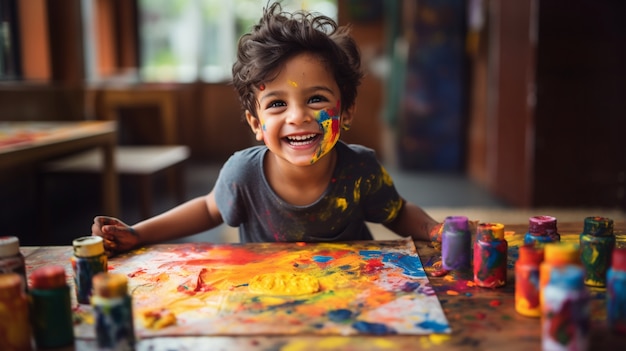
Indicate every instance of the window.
{"type": "Point", "coordinates": [190, 40]}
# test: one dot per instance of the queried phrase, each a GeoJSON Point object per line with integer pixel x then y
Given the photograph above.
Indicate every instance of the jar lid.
{"type": "Point", "coordinates": [11, 285]}
{"type": "Point", "coordinates": [541, 225]}
{"type": "Point", "coordinates": [490, 231]}
{"type": "Point", "coordinates": [598, 226]}
{"type": "Point", "coordinates": [619, 259]}
{"type": "Point", "coordinates": [48, 277]}
{"type": "Point", "coordinates": [110, 285]}
{"type": "Point", "coordinates": [561, 253]}
{"type": "Point", "coordinates": [9, 246]}
{"type": "Point", "coordinates": [88, 246]}
{"type": "Point", "coordinates": [455, 223]}
{"type": "Point", "coordinates": [530, 254]}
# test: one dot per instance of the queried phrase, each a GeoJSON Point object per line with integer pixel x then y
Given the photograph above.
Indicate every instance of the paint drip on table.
{"type": "Point", "coordinates": [282, 288]}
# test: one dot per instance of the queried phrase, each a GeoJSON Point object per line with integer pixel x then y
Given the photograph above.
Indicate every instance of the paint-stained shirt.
{"type": "Point", "coordinates": [360, 191]}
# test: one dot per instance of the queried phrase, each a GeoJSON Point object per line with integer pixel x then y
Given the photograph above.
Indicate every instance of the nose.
{"type": "Point", "coordinates": [299, 115]}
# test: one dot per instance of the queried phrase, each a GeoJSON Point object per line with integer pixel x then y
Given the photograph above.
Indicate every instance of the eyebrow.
{"type": "Point", "coordinates": [310, 90]}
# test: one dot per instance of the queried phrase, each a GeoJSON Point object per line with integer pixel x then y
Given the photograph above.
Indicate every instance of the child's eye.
{"type": "Point", "coordinates": [317, 98]}
{"type": "Point", "coordinates": [276, 103]}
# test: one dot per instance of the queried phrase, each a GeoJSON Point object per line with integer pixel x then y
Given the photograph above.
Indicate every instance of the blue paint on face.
{"type": "Point", "coordinates": [322, 259]}
{"type": "Point", "coordinates": [434, 326]}
{"type": "Point", "coordinates": [410, 265]}
{"type": "Point", "coordinates": [341, 315]}
{"type": "Point", "coordinates": [373, 328]}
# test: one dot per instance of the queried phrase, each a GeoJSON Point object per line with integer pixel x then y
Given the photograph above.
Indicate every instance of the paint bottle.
{"type": "Point", "coordinates": [490, 256]}
{"type": "Point", "coordinates": [527, 280]}
{"type": "Point", "coordinates": [566, 311]}
{"type": "Point", "coordinates": [15, 332]}
{"type": "Point", "coordinates": [542, 230]}
{"type": "Point", "coordinates": [11, 259]}
{"type": "Point", "coordinates": [456, 243]}
{"type": "Point", "coordinates": [113, 313]}
{"type": "Point", "coordinates": [89, 259]}
{"type": "Point", "coordinates": [556, 255]}
{"type": "Point", "coordinates": [51, 308]}
{"type": "Point", "coordinates": [616, 292]}
{"type": "Point", "coordinates": [597, 242]}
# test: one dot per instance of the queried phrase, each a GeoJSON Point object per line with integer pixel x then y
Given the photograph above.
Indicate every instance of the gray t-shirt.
{"type": "Point", "coordinates": [360, 190]}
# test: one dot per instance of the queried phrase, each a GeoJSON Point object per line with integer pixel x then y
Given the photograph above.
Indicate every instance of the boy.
{"type": "Point", "coordinates": [297, 76]}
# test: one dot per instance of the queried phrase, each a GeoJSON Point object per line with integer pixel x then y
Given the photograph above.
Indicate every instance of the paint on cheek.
{"type": "Point", "coordinates": [329, 123]}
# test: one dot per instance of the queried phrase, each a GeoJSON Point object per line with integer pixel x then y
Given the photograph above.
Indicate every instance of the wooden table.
{"type": "Point", "coordinates": [23, 143]}
{"type": "Point", "coordinates": [481, 319]}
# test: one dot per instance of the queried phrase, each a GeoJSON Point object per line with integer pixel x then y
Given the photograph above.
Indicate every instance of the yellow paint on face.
{"type": "Point", "coordinates": [292, 83]}
{"type": "Point", "coordinates": [283, 283]}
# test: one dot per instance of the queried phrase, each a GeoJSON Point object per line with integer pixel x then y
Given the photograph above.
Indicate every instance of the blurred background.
{"type": "Point", "coordinates": [473, 106]}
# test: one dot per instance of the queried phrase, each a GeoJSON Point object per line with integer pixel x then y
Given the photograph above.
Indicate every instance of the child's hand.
{"type": "Point", "coordinates": [117, 236]}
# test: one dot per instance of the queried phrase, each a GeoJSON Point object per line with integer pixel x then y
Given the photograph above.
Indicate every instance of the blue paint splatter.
{"type": "Point", "coordinates": [410, 265]}
{"type": "Point", "coordinates": [369, 254]}
{"type": "Point", "coordinates": [340, 315]}
{"type": "Point", "coordinates": [322, 259]}
{"type": "Point", "coordinates": [434, 326]}
{"type": "Point", "coordinates": [373, 328]}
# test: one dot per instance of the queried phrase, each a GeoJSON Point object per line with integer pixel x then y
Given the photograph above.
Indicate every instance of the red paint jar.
{"type": "Point", "coordinates": [527, 280]}
{"type": "Point", "coordinates": [490, 256]}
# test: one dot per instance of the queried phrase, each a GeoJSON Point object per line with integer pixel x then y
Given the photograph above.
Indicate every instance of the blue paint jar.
{"type": "Point", "coordinates": [112, 307]}
{"type": "Point", "coordinates": [566, 307]}
{"type": "Point", "coordinates": [616, 292]}
{"type": "Point", "coordinates": [456, 244]}
{"type": "Point", "coordinates": [541, 230]}
{"type": "Point", "coordinates": [88, 260]}
{"type": "Point", "coordinates": [597, 242]}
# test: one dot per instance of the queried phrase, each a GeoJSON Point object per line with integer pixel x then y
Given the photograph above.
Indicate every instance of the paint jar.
{"type": "Point", "coordinates": [15, 332]}
{"type": "Point", "coordinates": [11, 259]}
{"type": "Point", "coordinates": [490, 256]}
{"type": "Point", "coordinates": [566, 311]}
{"type": "Point", "coordinates": [616, 292]}
{"type": "Point", "coordinates": [89, 259]}
{"type": "Point", "coordinates": [51, 307]}
{"type": "Point", "coordinates": [556, 255]}
{"type": "Point", "coordinates": [527, 280]}
{"type": "Point", "coordinates": [597, 242]}
{"type": "Point", "coordinates": [112, 307]}
{"type": "Point", "coordinates": [541, 230]}
{"type": "Point", "coordinates": [456, 243]}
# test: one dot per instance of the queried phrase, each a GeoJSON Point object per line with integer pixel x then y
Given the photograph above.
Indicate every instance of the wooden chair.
{"type": "Point", "coordinates": [141, 162]}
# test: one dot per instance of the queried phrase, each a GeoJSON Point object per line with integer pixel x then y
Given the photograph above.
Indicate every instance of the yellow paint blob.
{"type": "Point", "coordinates": [341, 203]}
{"type": "Point", "coordinates": [158, 319]}
{"type": "Point", "coordinates": [284, 284]}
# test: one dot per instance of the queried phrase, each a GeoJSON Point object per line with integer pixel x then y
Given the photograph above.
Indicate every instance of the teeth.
{"type": "Point", "coordinates": [301, 137]}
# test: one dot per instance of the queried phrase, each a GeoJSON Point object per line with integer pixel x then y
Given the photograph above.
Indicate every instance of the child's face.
{"type": "Point", "coordinates": [299, 114]}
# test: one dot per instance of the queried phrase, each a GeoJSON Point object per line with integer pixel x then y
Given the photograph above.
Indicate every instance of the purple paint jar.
{"type": "Point", "coordinates": [541, 230]}
{"type": "Point", "coordinates": [456, 244]}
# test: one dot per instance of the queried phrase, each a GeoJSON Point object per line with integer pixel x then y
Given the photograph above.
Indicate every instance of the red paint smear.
{"type": "Point", "coordinates": [481, 315]}
{"type": "Point", "coordinates": [439, 273]}
{"type": "Point", "coordinates": [495, 303]}
{"type": "Point", "coordinates": [373, 266]}
{"type": "Point", "coordinates": [136, 273]}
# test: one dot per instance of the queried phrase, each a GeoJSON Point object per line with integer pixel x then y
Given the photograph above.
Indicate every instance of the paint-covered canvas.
{"type": "Point", "coordinates": [374, 287]}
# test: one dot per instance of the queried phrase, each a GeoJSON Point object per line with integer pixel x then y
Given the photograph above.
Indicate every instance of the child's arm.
{"type": "Point", "coordinates": [413, 221]}
{"type": "Point", "coordinates": [192, 217]}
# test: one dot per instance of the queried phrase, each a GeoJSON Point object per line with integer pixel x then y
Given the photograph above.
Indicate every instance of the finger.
{"type": "Point", "coordinates": [105, 220]}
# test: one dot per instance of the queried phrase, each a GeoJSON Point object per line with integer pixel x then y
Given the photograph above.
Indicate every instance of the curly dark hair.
{"type": "Point", "coordinates": [279, 36]}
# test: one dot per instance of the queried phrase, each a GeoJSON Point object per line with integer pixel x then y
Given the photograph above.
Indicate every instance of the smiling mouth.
{"type": "Point", "coordinates": [301, 140]}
